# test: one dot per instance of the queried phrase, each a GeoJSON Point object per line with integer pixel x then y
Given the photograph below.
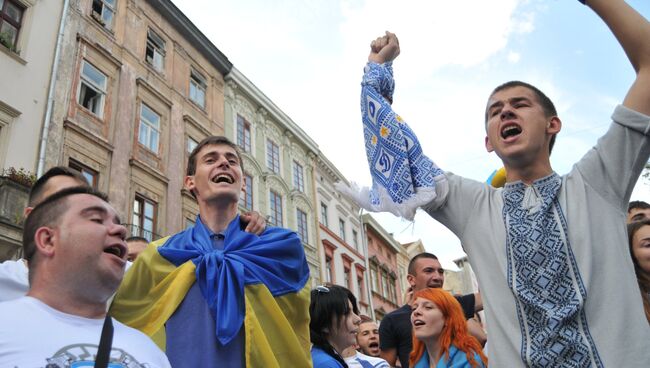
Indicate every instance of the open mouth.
{"type": "Point", "coordinates": [223, 178]}
{"type": "Point", "coordinates": [418, 322]}
{"type": "Point", "coordinates": [117, 250]}
{"type": "Point", "coordinates": [510, 130]}
{"type": "Point", "coordinates": [373, 345]}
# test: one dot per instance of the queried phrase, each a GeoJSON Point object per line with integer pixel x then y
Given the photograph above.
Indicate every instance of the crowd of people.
{"type": "Point", "coordinates": [558, 288]}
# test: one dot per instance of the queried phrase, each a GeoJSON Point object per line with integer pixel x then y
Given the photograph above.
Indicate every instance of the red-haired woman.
{"type": "Point", "coordinates": [440, 337]}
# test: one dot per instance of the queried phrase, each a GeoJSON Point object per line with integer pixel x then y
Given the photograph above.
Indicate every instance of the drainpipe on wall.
{"type": "Point", "coordinates": [364, 241]}
{"type": "Point", "coordinates": [319, 245]}
{"type": "Point", "coordinates": [50, 93]}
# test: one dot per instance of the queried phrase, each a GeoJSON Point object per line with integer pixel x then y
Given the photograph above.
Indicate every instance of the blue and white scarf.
{"type": "Point", "coordinates": [403, 178]}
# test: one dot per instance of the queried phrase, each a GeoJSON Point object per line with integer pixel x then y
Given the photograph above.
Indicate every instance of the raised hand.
{"type": "Point", "coordinates": [384, 49]}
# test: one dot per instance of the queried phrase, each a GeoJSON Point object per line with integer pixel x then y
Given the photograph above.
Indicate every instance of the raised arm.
{"type": "Point", "coordinates": [633, 33]}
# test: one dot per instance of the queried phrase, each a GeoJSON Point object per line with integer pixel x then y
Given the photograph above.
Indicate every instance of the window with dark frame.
{"type": "Point", "coordinates": [11, 19]}
{"type": "Point", "coordinates": [246, 195]}
{"type": "Point", "coordinates": [323, 214]}
{"type": "Point", "coordinates": [155, 52]}
{"type": "Point", "coordinates": [346, 278]}
{"type": "Point", "coordinates": [92, 89]}
{"type": "Point", "coordinates": [303, 231]}
{"type": "Point", "coordinates": [191, 145]}
{"type": "Point", "coordinates": [243, 134]}
{"type": "Point", "coordinates": [275, 205]}
{"type": "Point", "coordinates": [89, 174]}
{"type": "Point", "coordinates": [298, 178]}
{"type": "Point", "coordinates": [374, 278]}
{"type": "Point", "coordinates": [272, 156]}
{"type": "Point", "coordinates": [328, 269]}
{"type": "Point", "coordinates": [103, 11]}
{"type": "Point", "coordinates": [362, 297]}
{"type": "Point", "coordinates": [149, 129]}
{"type": "Point", "coordinates": [342, 229]}
{"type": "Point", "coordinates": [144, 217]}
{"type": "Point", "coordinates": [198, 86]}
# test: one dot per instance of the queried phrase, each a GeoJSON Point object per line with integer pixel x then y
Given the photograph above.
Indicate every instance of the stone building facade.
{"type": "Point", "coordinates": [28, 39]}
{"type": "Point", "coordinates": [278, 162]}
{"type": "Point", "coordinates": [342, 242]}
{"type": "Point", "coordinates": [138, 86]}
{"type": "Point", "coordinates": [383, 253]}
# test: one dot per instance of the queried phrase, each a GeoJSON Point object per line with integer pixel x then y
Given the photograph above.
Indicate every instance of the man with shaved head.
{"type": "Point", "coordinates": [74, 244]}
{"type": "Point", "coordinates": [13, 274]}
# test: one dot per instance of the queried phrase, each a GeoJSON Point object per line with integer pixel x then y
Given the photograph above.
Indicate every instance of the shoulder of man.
{"type": "Point", "coordinates": [467, 302]}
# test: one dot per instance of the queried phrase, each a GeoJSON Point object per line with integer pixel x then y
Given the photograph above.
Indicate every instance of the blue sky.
{"type": "Point", "coordinates": [308, 56]}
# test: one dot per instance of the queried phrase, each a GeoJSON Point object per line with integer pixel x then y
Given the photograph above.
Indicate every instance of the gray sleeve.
{"type": "Point", "coordinates": [453, 206]}
{"type": "Point", "coordinates": [613, 166]}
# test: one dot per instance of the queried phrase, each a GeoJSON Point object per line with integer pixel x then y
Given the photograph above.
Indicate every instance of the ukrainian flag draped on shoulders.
{"type": "Point", "coordinates": [260, 283]}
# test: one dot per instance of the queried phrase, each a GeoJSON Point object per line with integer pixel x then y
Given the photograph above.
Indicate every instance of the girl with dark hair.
{"type": "Point", "coordinates": [639, 242]}
{"type": "Point", "coordinates": [440, 337]}
{"type": "Point", "coordinates": [333, 326]}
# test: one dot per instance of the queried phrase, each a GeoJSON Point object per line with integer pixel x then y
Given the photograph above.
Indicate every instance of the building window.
{"type": "Point", "coordinates": [342, 229]}
{"type": "Point", "coordinates": [276, 209]}
{"type": "Point", "coordinates": [243, 134]}
{"type": "Point", "coordinates": [155, 53]}
{"type": "Point", "coordinates": [149, 131]}
{"type": "Point", "coordinates": [361, 294]}
{"type": "Point", "coordinates": [385, 291]}
{"type": "Point", "coordinates": [301, 218]}
{"type": "Point", "coordinates": [347, 280]}
{"type": "Point", "coordinates": [393, 290]}
{"type": "Point", "coordinates": [92, 89]}
{"type": "Point", "coordinates": [88, 173]}
{"type": "Point", "coordinates": [144, 217]}
{"type": "Point", "coordinates": [355, 240]}
{"type": "Point", "coordinates": [198, 87]}
{"type": "Point", "coordinates": [11, 18]}
{"type": "Point", "coordinates": [103, 11]}
{"type": "Point", "coordinates": [323, 214]}
{"type": "Point", "coordinates": [374, 278]}
{"type": "Point", "coordinates": [328, 269]}
{"type": "Point", "coordinates": [272, 156]}
{"type": "Point", "coordinates": [298, 178]}
{"type": "Point", "coordinates": [246, 195]}
{"type": "Point", "coordinates": [191, 145]}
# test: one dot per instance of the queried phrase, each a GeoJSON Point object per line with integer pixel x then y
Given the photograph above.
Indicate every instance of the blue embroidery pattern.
{"type": "Point", "coordinates": [394, 154]}
{"type": "Point", "coordinates": [544, 278]}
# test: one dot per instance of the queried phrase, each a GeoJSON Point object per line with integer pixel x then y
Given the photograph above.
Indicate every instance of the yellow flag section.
{"type": "Point", "coordinates": [276, 328]}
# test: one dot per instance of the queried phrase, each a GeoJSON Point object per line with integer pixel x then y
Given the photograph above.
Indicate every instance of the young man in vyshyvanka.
{"type": "Point", "coordinates": [549, 251]}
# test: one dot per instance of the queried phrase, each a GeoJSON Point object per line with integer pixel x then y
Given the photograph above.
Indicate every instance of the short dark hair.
{"type": "Point", "coordinates": [326, 309]}
{"type": "Point", "coordinates": [411, 269]}
{"type": "Point", "coordinates": [365, 319]}
{"type": "Point", "coordinates": [36, 193]}
{"type": "Point", "coordinates": [209, 141]}
{"type": "Point", "coordinates": [49, 213]}
{"type": "Point", "coordinates": [547, 105]}
{"type": "Point", "coordinates": [136, 238]}
{"type": "Point", "coordinates": [637, 205]}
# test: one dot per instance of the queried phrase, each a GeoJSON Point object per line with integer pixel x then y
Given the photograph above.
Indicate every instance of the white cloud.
{"type": "Point", "coordinates": [514, 57]}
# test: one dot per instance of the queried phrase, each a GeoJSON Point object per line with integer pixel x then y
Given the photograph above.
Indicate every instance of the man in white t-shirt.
{"type": "Point", "coordinates": [367, 355]}
{"type": "Point", "coordinates": [75, 248]}
{"type": "Point", "coordinates": [355, 359]}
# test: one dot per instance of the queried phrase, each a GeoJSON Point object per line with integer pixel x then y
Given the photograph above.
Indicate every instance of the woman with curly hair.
{"type": "Point", "coordinates": [440, 337]}
{"type": "Point", "coordinates": [639, 241]}
{"type": "Point", "coordinates": [333, 326]}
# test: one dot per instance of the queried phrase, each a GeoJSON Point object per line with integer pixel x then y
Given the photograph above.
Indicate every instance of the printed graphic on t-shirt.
{"type": "Point", "coordinates": [83, 355]}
